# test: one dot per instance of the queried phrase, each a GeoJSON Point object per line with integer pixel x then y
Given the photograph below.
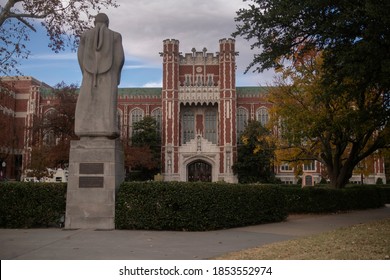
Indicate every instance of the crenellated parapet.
{"type": "Point", "coordinates": [199, 58]}
{"type": "Point", "coordinates": [170, 47]}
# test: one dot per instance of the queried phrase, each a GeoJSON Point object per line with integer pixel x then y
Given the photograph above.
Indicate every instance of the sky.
{"type": "Point", "coordinates": [143, 26]}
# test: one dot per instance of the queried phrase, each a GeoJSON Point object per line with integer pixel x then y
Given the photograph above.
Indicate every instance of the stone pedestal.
{"type": "Point", "coordinates": [96, 169]}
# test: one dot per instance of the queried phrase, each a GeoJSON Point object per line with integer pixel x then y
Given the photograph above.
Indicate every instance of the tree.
{"type": "Point", "coordinates": [54, 129]}
{"type": "Point", "coordinates": [145, 150]}
{"type": "Point", "coordinates": [353, 35]}
{"type": "Point", "coordinates": [339, 130]}
{"type": "Point", "coordinates": [255, 155]}
{"type": "Point", "coordinates": [64, 21]}
{"type": "Point", "coordinates": [347, 106]}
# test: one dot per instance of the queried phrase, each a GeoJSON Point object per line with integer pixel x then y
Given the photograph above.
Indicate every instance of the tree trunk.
{"type": "Point", "coordinates": [340, 177]}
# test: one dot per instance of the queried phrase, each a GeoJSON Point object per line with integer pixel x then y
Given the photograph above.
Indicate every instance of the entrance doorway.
{"type": "Point", "coordinates": [199, 171]}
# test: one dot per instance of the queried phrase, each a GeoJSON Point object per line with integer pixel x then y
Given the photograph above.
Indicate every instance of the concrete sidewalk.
{"type": "Point", "coordinates": [59, 244]}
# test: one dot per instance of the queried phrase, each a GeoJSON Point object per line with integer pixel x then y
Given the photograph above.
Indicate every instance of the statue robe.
{"type": "Point", "coordinates": [101, 59]}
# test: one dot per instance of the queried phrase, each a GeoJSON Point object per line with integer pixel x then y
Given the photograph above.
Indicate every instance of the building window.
{"type": "Point", "coordinates": [211, 126]}
{"type": "Point", "coordinates": [262, 115]}
{"type": "Point", "coordinates": [49, 138]}
{"type": "Point", "coordinates": [187, 81]}
{"type": "Point", "coordinates": [210, 80]}
{"type": "Point", "coordinates": [199, 80]}
{"type": "Point", "coordinates": [310, 166]}
{"type": "Point", "coordinates": [242, 120]}
{"type": "Point", "coordinates": [156, 114]}
{"type": "Point", "coordinates": [285, 167]}
{"type": "Point", "coordinates": [188, 124]}
{"type": "Point", "coordinates": [135, 116]}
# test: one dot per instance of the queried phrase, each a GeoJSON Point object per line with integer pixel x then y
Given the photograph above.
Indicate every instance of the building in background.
{"type": "Point", "coordinates": [199, 111]}
{"type": "Point", "coordinates": [21, 101]}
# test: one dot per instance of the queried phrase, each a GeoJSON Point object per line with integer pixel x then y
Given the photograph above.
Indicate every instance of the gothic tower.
{"type": "Point", "coordinates": [227, 107]}
{"type": "Point", "coordinates": [198, 113]}
{"type": "Point", "coordinates": [170, 108]}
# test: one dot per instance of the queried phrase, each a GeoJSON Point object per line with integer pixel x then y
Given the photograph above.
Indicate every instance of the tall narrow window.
{"type": "Point", "coordinates": [242, 120]}
{"type": "Point", "coordinates": [210, 80]}
{"type": "Point", "coordinates": [187, 81]}
{"type": "Point", "coordinates": [188, 124]}
{"type": "Point", "coordinates": [262, 115]}
{"type": "Point", "coordinates": [211, 126]}
{"type": "Point", "coordinates": [135, 116]}
{"type": "Point", "coordinates": [49, 138]}
{"type": "Point", "coordinates": [156, 114]}
{"type": "Point", "coordinates": [199, 80]}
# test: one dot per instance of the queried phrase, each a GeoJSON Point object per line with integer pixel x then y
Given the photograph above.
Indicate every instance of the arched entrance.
{"type": "Point", "coordinates": [199, 170]}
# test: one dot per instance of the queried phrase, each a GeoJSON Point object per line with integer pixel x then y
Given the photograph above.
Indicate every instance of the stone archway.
{"type": "Point", "coordinates": [199, 170]}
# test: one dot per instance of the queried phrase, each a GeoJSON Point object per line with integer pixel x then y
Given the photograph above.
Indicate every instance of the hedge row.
{"type": "Point", "coordinates": [187, 206]}
{"type": "Point", "coordinates": [325, 199]}
{"type": "Point", "coordinates": [385, 193]}
{"type": "Point", "coordinates": [197, 206]}
{"type": "Point", "coordinates": [26, 205]}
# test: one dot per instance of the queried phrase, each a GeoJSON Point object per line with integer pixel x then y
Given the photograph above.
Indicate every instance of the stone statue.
{"type": "Point", "coordinates": [101, 59]}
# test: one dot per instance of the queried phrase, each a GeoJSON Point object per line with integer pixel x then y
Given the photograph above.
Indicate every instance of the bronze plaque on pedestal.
{"type": "Point", "coordinates": [91, 168]}
{"type": "Point", "coordinates": [91, 182]}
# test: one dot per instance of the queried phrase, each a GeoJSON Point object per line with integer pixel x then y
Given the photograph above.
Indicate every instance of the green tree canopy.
{"type": "Point", "coordinates": [353, 33]}
{"type": "Point", "coordinates": [144, 153]}
{"type": "Point", "coordinates": [338, 111]}
{"type": "Point", "coordinates": [354, 37]}
{"type": "Point", "coordinates": [255, 155]}
{"type": "Point", "coordinates": [146, 133]}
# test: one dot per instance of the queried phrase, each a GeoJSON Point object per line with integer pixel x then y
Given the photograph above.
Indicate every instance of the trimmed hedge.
{"type": "Point", "coordinates": [197, 206]}
{"type": "Point", "coordinates": [325, 199]}
{"type": "Point", "coordinates": [25, 205]}
{"type": "Point", "coordinates": [385, 192]}
{"type": "Point", "coordinates": [187, 206]}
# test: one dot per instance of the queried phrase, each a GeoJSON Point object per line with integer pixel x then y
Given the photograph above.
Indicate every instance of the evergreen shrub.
{"type": "Point", "coordinates": [26, 205]}
{"type": "Point", "coordinates": [385, 192]}
{"type": "Point", "coordinates": [326, 199]}
{"type": "Point", "coordinates": [187, 206]}
{"type": "Point", "coordinates": [196, 206]}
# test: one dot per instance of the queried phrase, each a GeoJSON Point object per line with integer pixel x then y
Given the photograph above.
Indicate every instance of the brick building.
{"type": "Point", "coordinates": [199, 110]}
{"type": "Point", "coordinates": [22, 99]}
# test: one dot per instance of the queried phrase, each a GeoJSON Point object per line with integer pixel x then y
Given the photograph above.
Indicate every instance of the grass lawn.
{"type": "Point", "coordinates": [369, 241]}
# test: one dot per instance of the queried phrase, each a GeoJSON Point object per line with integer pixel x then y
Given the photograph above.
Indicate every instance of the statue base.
{"type": "Point", "coordinates": [96, 169]}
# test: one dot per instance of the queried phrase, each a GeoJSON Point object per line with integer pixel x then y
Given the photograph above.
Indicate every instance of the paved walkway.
{"type": "Point", "coordinates": [59, 244]}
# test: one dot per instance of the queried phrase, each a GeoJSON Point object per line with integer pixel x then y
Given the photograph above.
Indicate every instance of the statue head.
{"type": "Point", "coordinates": [102, 18]}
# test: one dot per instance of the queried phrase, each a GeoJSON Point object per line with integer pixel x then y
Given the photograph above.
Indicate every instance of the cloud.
{"type": "Point", "coordinates": [195, 23]}
{"type": "Point", "coordinates": [153, 84]}
{"type": "Point", "coordinates": [144, 25]}
{"type": "Point", "coordinates": [54, 56]}
{"type": "Point", "coordinates": [141, 66]}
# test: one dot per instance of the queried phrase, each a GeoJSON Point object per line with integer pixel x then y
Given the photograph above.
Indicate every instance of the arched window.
{"type": "Point", "coordinates": [135, 116]}
{"type": "Point", "coordinates": [262, 115]}
{"type": "Point", "coordinates": [242, 120]}
{"type": "Point", "coordinates": [49, 138]}
{"type": "Point", "coordinates": [157, 115]}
